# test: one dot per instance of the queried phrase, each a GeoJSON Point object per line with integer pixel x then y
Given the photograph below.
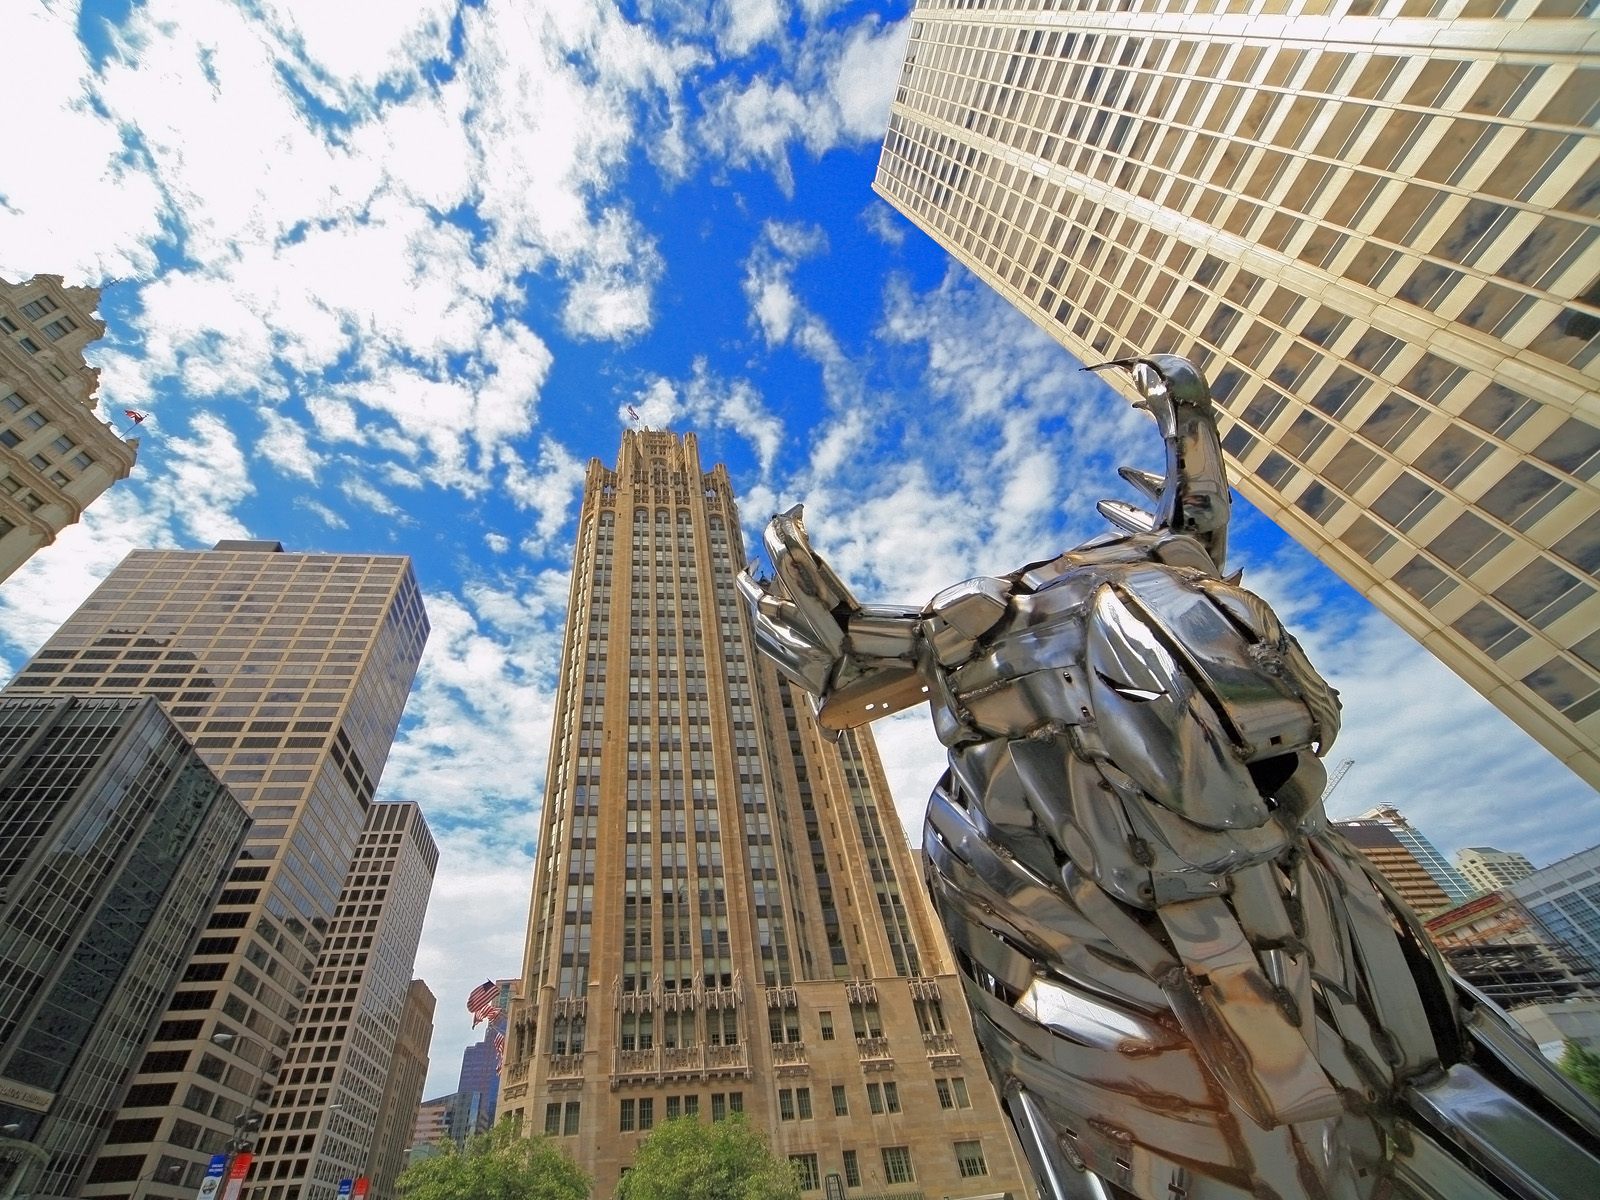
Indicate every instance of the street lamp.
{"type": "Point", "coordinates": [248, 1118]}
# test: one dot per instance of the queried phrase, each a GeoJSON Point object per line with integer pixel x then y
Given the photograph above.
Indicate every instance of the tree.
{"type": "Point", "coordinates": [498, 1165]}
{"type": "Point", "coordinates": [1583, 1068]}
{"type": "Point", "coordinates": [726, 1160]}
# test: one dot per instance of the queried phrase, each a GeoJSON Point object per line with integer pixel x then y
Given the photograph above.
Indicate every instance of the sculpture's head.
{"type": "Point", "coordinates": [1201, 698]}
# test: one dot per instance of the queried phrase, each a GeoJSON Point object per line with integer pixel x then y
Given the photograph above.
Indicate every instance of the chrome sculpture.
{"type": "Point", "coordinates": [1184, 984]}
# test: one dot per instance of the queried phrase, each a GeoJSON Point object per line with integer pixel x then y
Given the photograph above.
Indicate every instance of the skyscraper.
{"type": "Point", "coordinates": [114, 841]}
{"type": "Point", "coordinates": [1397, 864]}
{"type": "Point", "coordinates": [402, 1091]}
{"type": "Point", "coordinates": [339, 1057]}
{"type": "Point", "coordinates": [1451, 881]}
{"type": "Point", "coordinates": [56, 455]}
{"type": "Point", "coordinates": [1372, 222]}
{"type": "Point", "coordinates": [289, 673]}
{"type": "Point", "coordinates": [1486, 868]}
{"type": "Point", "coordinates": [725, 914]}
{"type": "Point", "coordinates": [1565, 899]}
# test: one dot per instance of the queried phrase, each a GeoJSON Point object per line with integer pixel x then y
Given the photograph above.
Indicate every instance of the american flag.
{"type": "Point", "coordinates": [482, 999]}
{"type": "Point", "coordinates": [490, 1014]}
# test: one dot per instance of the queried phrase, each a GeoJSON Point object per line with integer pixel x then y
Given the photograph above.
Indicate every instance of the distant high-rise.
{"type": "Point", "coordinates": [480, 1062]}
{"type": "Point", "coordinates": [114, 841]}
{"type": "Point", "coordinates": [1493, 944]}
{"type": "Point", "coordinates": [1397, 864]}
{"type": "Point", "coordinates": [402, 1091]}
{"type": "Point", "coordinates": [725, 914]}
{"type": "Point", "coordinates": [1451, 881]}
{"type": "Point", "coordinates": [1565, 898]}
{"type": "Point", "coordinates": [343, 1046]}
{"type": "Point", "coordinates": [1372, 222]}
{"type": "Point", "coordinates": [289, 672]}
{"type": "Point", "coordinates": [1487, 869]}
{"type": "Point", "coordinates": [56, 455]}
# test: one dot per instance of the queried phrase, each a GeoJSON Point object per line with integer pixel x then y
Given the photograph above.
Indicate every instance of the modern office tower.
{"type": "Point", "coordinates": [725, 914]}
{"type": "Point", "coordinates": [1451, 881]}
{"type": "Point", "coordinates": [323, 1122]}
{"type": "Point", "coordinates": [1372, 223]}
{"type": "Point", "coordinates": [115, 839]}
{"type": "Point", "coordinates": [431, 1126]}
{"type": "Point", "coordinates": [402, 1091]}
{"type": "Point", "coordinates": [289, 673]}
{"type": "Point", "coordinates": [1397, 864]}
{"type": "Point", "coordinates": [1487, 869]}
{"type": "Point", "coordinates": [1565, 899]}
{"type": "Point", "coordinates": [56, 455]}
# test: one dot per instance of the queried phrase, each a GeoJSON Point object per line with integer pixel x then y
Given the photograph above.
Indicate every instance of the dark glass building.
{"type": "Point", "coordinates": [115, 839]}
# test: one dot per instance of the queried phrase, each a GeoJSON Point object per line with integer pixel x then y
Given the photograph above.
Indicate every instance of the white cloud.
{"type": "Point", "coordinates": [707, 402]}
{"type": "Point", "coordinates": [360, 492]}
{"type": "Point", "coordinates": [361, 41]}
{"type": "Point", "coordinates": [884, 222]}
{"type": "Point", "coordinates": [322, 512]}
{"type": "Point", "coordinates": [548, 487]}
{"type": "Point", "coordinates": [498, 543]}
{"type": "Point", "coordinates": [836, 93]}
{"type": "Point", "coordinates": [742, 25]}
{"type": "Point", "coordinates": [284, 444]}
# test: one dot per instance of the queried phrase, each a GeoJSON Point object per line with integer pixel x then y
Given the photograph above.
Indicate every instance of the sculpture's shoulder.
{"type": "Point", "coordinates": [1102, 556]}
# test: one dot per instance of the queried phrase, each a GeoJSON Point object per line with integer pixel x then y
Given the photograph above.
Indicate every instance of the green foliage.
{"type": "Point", "coordinates": [498, 1165]}
{"type": "Point", "coordinates": [1583, 1068]}
{"type": "Point", "coordinates": [726, 1160]}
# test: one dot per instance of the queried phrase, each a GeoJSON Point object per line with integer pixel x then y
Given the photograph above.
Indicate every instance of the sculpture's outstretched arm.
{"type": "Point", "coordinates": [858, 661]}
{"type": "Point", "coordinates": [1192, 498]}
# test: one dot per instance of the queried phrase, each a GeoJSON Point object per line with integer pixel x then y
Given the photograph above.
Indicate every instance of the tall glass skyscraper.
{"type": "Point", "coordinates": [289, 673]}
{"type": "Point", "coordinates": [1372, 222]}
{"type": "Point", "coordinates": [725, 914]}
{"type": "Point", "coordinates": [114, 841]}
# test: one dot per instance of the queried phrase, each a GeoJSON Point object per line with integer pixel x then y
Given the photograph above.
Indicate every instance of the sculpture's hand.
{"type": "Point", "coordinates": [1192, 498]}
{"type": "Point", "coordinates": [859, 662]}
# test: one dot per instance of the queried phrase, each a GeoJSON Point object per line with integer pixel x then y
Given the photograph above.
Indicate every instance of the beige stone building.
{"type": "Point", "coordinates": [1374, 224]}
{"type": "Point", "coordinates": [726, 917]}
{"type": "Point", "coordinates": [289, 673]}
{"type": "Point", "coordinates": [347, 1040]}
{"type": "Point", "coordinates": [1486, 868]}
{"type": "Point", "coordinates": [56, 454]}
{"type": "Point", "coordinates": [402, 1091]}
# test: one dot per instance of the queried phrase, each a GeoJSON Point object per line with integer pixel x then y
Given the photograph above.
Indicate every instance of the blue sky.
{"type": "Point", "coordinates": [387, 273]}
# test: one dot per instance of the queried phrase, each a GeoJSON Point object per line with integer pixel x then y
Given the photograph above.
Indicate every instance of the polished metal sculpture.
{"type": "Point", "coordinates": [1184, 984]}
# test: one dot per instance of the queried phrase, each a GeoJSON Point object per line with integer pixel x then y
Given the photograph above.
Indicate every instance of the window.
{"type": "Point", "coordinates": [627, 1122]}
{"type": "Point", "coordinates": [827, 1025]}
{"type": "Point", "coordinates": [59, 328]}
{"type": "Point", "coordinates": [34, 309]}
{"type": "Point", "coordinates": [852, 1169]}
{"type": "Point", "coordinates": [952, 1093]}
{"type": "Point", "coordinates": [841, 1105]}
{"type": "Point", "coordinates": [806, 1170]}
{"type": "Point", "coordinates": [891, 1097]}
{"type": "Point", "coordinates": [719, 1106]}
{"type": "Point", "coordinates": [897, 1165]}
{"type": "Point", "coordinates": [875, 1097]}
{"type": "Point", "coordinates": [802, 1102]}
{"type": "Point", "coordinates": [647, 1113]}
{"type": "Point", "coordinates": [552, 1119]}
{"type": "Point", "coordinates": [570, 1127]}
{"type": "Point", "coordinates": [785, 1104]}
{"type": "Point", "coordinates": [969, 1158]}
{"type": "Point", "coordinates": [674, 1108]}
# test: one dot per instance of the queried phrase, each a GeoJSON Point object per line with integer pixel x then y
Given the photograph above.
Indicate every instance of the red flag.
{"type": "Point", "coordinates": [134, 415]}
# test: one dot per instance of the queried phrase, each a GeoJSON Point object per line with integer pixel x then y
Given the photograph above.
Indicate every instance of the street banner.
{"type": "Point", "coordinates": [361, 1188]}
{"type": "Point", "coordinates": [344, 1188]}
{"type": "Point", "coordinates": [236, 1174]}
{"type": "Point", "coordinates": [213, 1179]}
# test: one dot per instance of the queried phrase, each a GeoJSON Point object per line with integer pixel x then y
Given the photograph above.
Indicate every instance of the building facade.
{"type": "Point", "coordinates": [1372, 223]}
{"type": "Point", "coordinates": [1397, 864]}
{"type": "Point", "coordinates": [289, 673]}
{"type": "Point", "coordinates": [114, 841]}
{"type": "Point", "coordinates": [725, 916]}
{"type": "Point", "coordinates": [1565, 899]}
{"type": "Point", "coordinates": [56, 454]}
{"type": "Point", "coordinates": [1487, 869]}
{"type": "Point", "coordinates": [402, 1091]}
{"type": "Point", "coordinates": [1452, 882]}
{"type": "Point", "coordinates": [343, 1046]}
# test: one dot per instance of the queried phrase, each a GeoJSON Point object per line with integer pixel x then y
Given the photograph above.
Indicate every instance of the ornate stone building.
{"type": "Point", "coordinates": [56, 455]}
{"type": "Point", "coordinates": [726, 917]}
{"type": "Point", "coordinates": [1372, 222]}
